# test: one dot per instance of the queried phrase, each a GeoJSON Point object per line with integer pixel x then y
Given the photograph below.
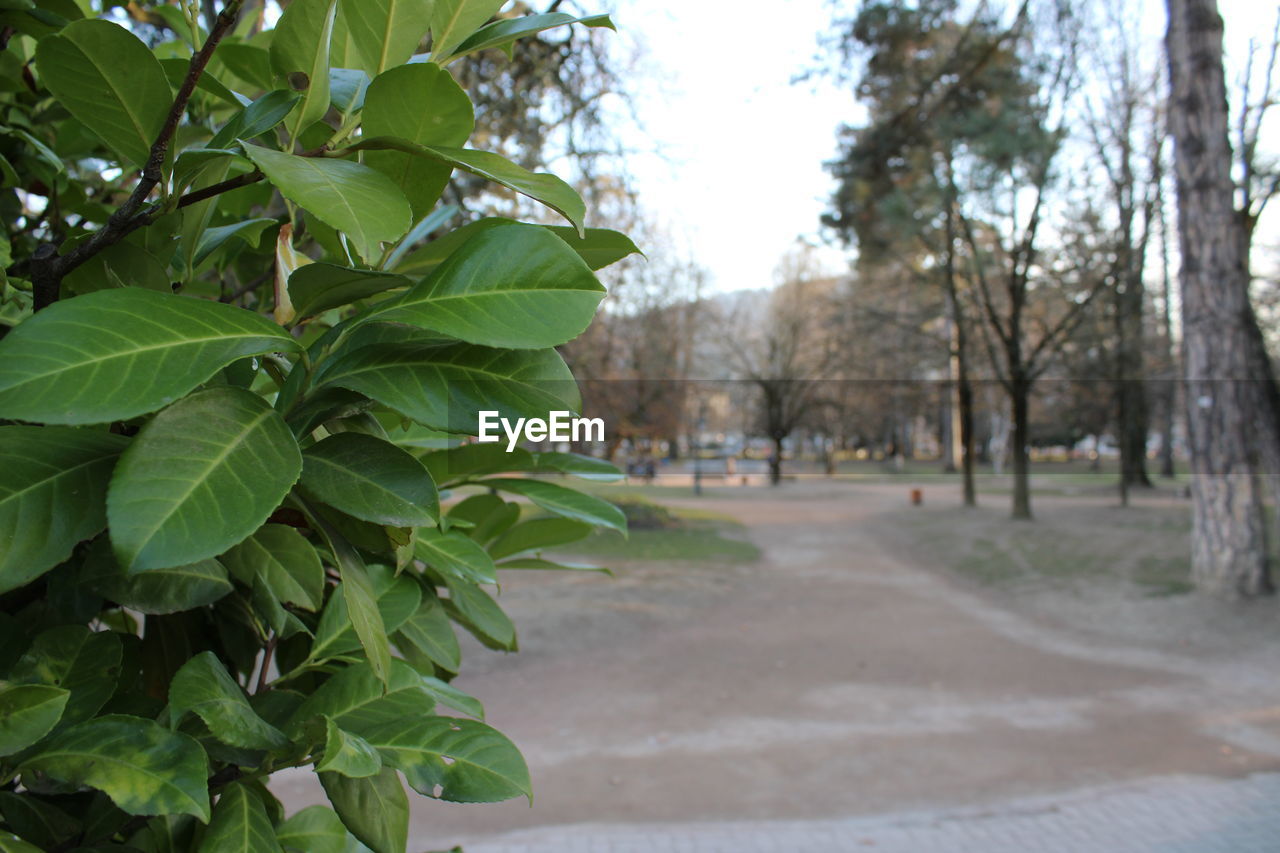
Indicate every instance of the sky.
{"type": "Point", "coordinates": [729, 153]}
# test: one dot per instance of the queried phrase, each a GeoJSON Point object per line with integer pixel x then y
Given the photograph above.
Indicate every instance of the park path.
{"type": "Point", "coordinates": [834, 695]}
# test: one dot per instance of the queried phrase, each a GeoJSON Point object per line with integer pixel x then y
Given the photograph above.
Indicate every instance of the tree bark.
{"type": "Point", "coordinates": [775, 462]}
{"type": "Point", "coordinates": [1020, 394]}
{"type": "Point", "coordinates": [1224, 400]}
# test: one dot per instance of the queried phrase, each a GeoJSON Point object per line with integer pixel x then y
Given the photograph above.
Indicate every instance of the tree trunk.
{"type": "Point", "coordinates": [1228, 540]}
{"type": "Point", "coordinates": [960, 350]}
{"type": "Point", "coordinates": [1020, 393]}
{"type": "Point", "coordinates": [775, 463]}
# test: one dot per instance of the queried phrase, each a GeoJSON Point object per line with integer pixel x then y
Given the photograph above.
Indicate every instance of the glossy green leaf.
{"type": "Point", "coordinates": [444, 386]}
{"type": "Point", "coordinates": [200, 477]}
{"type": "Point", "coordinates": [430, 632]}
{"type": "Point", "coordinates": [108, 79]}
{"type": "Point", "coordinates": [371, 479]}
{"type": "Point", "coordinates": [541, 187]}
{"type": "Point", "coordinates": [257, 118]}
{"type": "Point", "coordinates": [468, 760]}
{"type": "Point", "coordinates": [158, 591]}
{"type": "Point", "coordinates": [466, 460]}
{"type": "Point", "coordinates": [383, 33]}
{"type": "Point", "coordinates": [598, 247]}
{"type": "Point", "coordinates": [423, 104]}
{"type": "Point", "coordinates": [142, 766]}
{"type": "Point", "coordinates": [73, 658]}
{"type": "Point", "coordinates": [240, 824]}
{"type": "Point", "coordinates": [484, 516]}
{"type": "Point", "coordinates": [300, 55]}
{"type": "Point", "coordinates": [453, 21]}
{"type": "Point", "coordinates": [357, 700]}
{"type": "Point", "coordinates": [121, 353]}
{"type": "Point", "coordinates": [315, 829]}
{"type": "Point", "coordinates": [362, 203]}
{"type": "Point", "coordinates": [374, 809]}
{"type": "Point", "coordinates": [395, 600]}
{"type": "Point", "coordinates": [517, 286]}
{"type": "Point", "coordinates": [347, 88]}
{"type": "Point", "coordinates": [284, 560]}
{"type": "Point", "coordinates": [563, 501]}
{"type": "Point", "coordinates": [449, 695]}
{"type": "Point", "coordinates": [455, 555]}
{"type": "Point", "coordinates": [538, 533]}
{"type": "Point", "coordinates": [53, 486]}
{"type": "Point", "coordinates": [347, 754]}
{"type": "Point", "coordinates": [539, 564]}
{"type": "Point", "coordinates": [315, 288]}
{"type": "Point", "coordinates": [481, 615]}
{"type": "Point", "coordinates": [175, 70]}
{"type": "Point", "coordinates": [504, 32]}
{"type": "Point", "coordinates": [213, 239]}
{"type": "Point", "coordinates": [28, 712]}
{"type": "Point", "coordinates": [203, 687]}
{"type": "Point", "coordinates": [583, 467]}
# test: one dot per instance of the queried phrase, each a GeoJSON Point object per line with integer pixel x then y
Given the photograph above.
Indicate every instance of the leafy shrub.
{"type": "Point", "coordinates": [223, 549]}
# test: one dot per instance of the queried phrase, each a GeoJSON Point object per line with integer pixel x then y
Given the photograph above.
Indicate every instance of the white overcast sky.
{"type": "Point", "coordinates": [731, 151]}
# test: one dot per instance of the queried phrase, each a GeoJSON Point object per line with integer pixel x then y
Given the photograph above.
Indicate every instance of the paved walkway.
{"type": "Point", "coordinates": [1168, 815]}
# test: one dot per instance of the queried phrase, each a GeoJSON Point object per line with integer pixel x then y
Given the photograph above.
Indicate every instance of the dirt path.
{"type": "Point", "coordinates": [832, 679]}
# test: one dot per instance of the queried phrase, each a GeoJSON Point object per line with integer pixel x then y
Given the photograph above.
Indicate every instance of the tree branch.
{"type": "Point", "coordinates": [48, 268]}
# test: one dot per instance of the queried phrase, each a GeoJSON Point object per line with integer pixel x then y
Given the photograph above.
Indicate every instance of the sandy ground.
{"type": "Point", "coordinates": [842, 675]}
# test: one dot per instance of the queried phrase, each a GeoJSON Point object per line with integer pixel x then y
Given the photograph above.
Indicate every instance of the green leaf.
{"type": "Point", "coordinates": [203, 687]}
{"type": "Point", "coordinates": [108, 79]}
{"type": "Point", "coordinates": [315, 829]}
{"type": "Point", "coordinates": [508, 30]}
{"type": "Point", "coordinates": [37, 820]}
{"type": "Point", "coordinates": [213, 239]}
{"type": "Point", "coordinates": [391, 601]}
{"type": "Point", "coordinates": [538, 533]}
{"type": "Point", "coordinates": [250, 62]}
{"type": "Point", "coordinates": [371, 479]}
{"type": "Point", "coordinates": [284, 560]}
{"type": "Point", "coordinates": [28, 712]}
{"type": "Point", "coordinates": [315, 288]}
{"type": "Point", "coordinates": [175, 71]}
{"type": "Point", "coordinates": [539, 564]}
{"type": "Point", "coordinates": [53, 486]}
{"type": "Point", "coordinates": [516, 286]}
{"type": "Point", "coordinates": [563, 501]}
{"type": "Point", "coordinates": [455, 555]}
{"type": "Point", "coordinates": [374, 809]}
{"type": "Point", "coordinates": [357, 700]}
{"type": "Point", "coordinates": [200, 477]}
{"type": "Point", "coordinates": [449, 695]}
{"type": "Point", "coordinates": [158, 591]}
{"type": "Point", "coordinates": [453, 21]}
{"type": "Point", "coordinates": [240, 824]}
{"type": "Point", "coordinates": [444, 386]}
{"type": "Point", "coordinates": [347, 754]}
{"type": "Point", "coordinates": [541, 187]}
{"type": "Point", "coordinates": [599, 247]}
{"type": "Point", "coordinates": [488, 516]}
{"type": "Point", "coordinates": [257, 118]}
{"type": "Point", "coordinates": [464, 461]}
{"type": "Point", "coordinates": [468, 760]}
{"type": "Point", "coordinates": [300, 54]}
{"type": "Point", "coordinates": [584, 467]}
{"type": "Point", "coordinates": [142, 766]}
{"type": "Point", "coordinates": [360, 202]}
{"type": "Point", "coordinates": [423, 104]}
{"type": "Point", "coordinates": [121, 353]}
{"type": "Point", "coordinates": [384, 33]}
{"type": "Point", "coordinates": [430, 632]}
{"type": "Point", "coordinates": [10, 843]}
{"type": "Point", "coordinates": [480, 614]}
{"type": "Point", "coordinates": [73, 658]}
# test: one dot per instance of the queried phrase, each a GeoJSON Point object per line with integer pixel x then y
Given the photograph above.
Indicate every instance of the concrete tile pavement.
{"type": "Point", "coordinates": [1181, 814]}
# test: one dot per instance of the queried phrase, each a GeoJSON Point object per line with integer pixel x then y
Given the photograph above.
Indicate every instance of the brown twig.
{"type": "Point", "coordinates": [48, 268]}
